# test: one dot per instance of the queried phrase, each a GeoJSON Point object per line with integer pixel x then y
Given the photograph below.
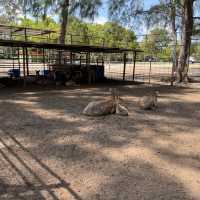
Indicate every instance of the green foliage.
{"type": "Point", "coordinates": [109, 34]}
{"type": "Point", "coordinates": [86, 8]}
{"type": "Point", "coordinates": [195, 50]}
{"type": "Point", "coordinates": [113, 35]}
{"type": "Point", "coordinates": [4, 19]}
{"type": "Point", "coordinates": [157, 44]}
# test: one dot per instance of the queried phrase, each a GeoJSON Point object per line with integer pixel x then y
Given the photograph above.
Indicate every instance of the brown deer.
{"type": "Point", "coordinates": [150, 101]}
{"type": "Point", "coordinates": [102, 107]}
{"type": "Point", "coordinates": [120, 110]}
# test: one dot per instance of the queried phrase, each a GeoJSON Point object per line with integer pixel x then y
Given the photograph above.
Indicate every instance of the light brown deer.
{"type": "Point", "coordinates": [150, 101]}
{"type": "Point", "coordinates": [102, 107]}
{"type": "Point", "coordinates": [120, 110]}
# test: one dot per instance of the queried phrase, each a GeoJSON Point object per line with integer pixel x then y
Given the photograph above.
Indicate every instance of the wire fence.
{"type": "Point", "coordinates": [148, 66]}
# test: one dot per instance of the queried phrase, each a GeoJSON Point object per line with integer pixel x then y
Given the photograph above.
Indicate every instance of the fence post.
{"type": "Point", "coordinates": [25, 35]}
{"type": "Point", "coordinates": [13, 59]}
{"type": "Point", "coordinates": [124, 70]}
{"type": "Point", "coordinates": [27, 61]}
{"type": "Point", "coordinates": [134, 62]}
{"type": "Point", "coordinates": [43, 55]}
{"type": "Point", "coordinates": [24, 66]}
{"type": "Point", "coordinates": [150, 71]}
{"type": "Point", "coordinates": [18, 57]}
{"type": "Point", "coordinates": [71, 38]}
{"type": "Point", "coordinates": [103, 42]}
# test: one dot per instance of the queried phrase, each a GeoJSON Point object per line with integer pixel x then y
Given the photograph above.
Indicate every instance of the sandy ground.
{"type": "Point", "coordinates": [49, 150]}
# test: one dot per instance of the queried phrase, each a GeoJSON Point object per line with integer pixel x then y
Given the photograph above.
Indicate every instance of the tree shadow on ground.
{"type": "Point", "coordinates": [139, 180]}
{"type": "Point", "coordinates": [11, 191]}
{"type": "Point", "coordinates": [80, 144]}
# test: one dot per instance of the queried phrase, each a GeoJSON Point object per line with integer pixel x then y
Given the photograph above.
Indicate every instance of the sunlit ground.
{"type": "Point", "coordinates": [49, 150]}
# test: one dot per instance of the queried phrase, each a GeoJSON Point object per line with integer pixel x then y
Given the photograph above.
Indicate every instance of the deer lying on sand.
{"type": "Point", "coordinates": [120, 110]}
{"type": "Point", "coordinates": [150, 101]}
{"type": "Point", "coordinates": [110, 105]}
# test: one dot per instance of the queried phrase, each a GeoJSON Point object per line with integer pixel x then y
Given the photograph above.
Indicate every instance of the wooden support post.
{"type": "Point", "coordinates": [124, 70]}
{"type": "Point", "coordinates": [103, 60]}
{"type": "Point", "coordinates": [43, 58]}
{"type": "Point", "coordinates": [97, 62]}
{"type": "Point", "coordinates": [103, 42]}
{"type": "Point", "coordinates": [88, 59]}
{"type": "Point", "coordinates": [27, 61]}
{"type": "Point", "coordinates": [59, 56]}
{"type": "Point", "coordinates": [150, 71]}
{"type": "Point", "coordinates": [13, 59]}
{"type": "Point", "coordinates": [25, 35]}
{"type": "Point", "coordinates": [88, 67]}
{"type": "Point", "coordinates": [71, 57]}
{"type": "Point", "coordinates": [24, 67]}
{"type": "Point", "coordinates": [80, 60]}
{"type": "Point", "coordinates": [134, 62]}
{"type": "Point", "coordinates": [18, 57]}
{"type": "Point", "coordinates": [49, 38]}
{"type": "Point", "coordinates": [71, 38]}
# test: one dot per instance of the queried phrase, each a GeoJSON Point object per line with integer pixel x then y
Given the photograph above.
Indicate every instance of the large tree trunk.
{"type": "Point", "coordinates": [187, 26]}
{"type": "Point", "coordinates": [64, 21]}
{"type": "Point", "coordinates": [174, 36]}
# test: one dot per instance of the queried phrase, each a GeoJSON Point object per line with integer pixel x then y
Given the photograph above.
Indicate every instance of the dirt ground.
{"type": "Point", "coordinates": [49, 150]}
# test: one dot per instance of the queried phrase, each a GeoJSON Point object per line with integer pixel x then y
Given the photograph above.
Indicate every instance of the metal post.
{"type": "Point", "coordinates": [49, 38]}
{"type": "Point", "coordinates": [87, 59]}
{"type": "Point", "coordinates": [24, 66]}
{"type": "Point", "coordinates": [124, 70]}
{"type": "Point", "coordinates": [97, 62]}
{"type": "Point", "coordinates": [43, 55]}
{"type": "Point", "coordinates": [27, 60]}
{"type": "Point", "coordinates": [25, 34]}
{"type": "Point", "coordinates": [71, 38]}
{"type": "Point", "coordinates": [150, 72]}
{"type": "Point", "coordinates": [59, 56]}
{"type": "Point", "coordinates": [88, 67]}
{"type": "Point", "coordinates": [103, 42]}
{"type": "Point", "coordinates": [134, 62]}
{"type": "Point", "coordinates": [70, 57]}
{"type": "Point", "coordinates": [18, 57]}
{"type": "Point", "coordinates": [13, 59]}
{"type": "Point", "coordinates": [80, 61]}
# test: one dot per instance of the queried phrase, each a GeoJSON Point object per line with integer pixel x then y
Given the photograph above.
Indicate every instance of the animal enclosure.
{"type": "Point", "coordinates": [48, 150]}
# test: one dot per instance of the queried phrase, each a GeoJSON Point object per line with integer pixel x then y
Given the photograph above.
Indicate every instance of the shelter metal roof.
{"type": "Point", "coordinates": [67, 47]}
{"type": "Point", "coordinates": [6, 29]}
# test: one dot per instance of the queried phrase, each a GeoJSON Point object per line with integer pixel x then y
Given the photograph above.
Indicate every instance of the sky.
{"type": "Point", "coordinates": [103, 15]}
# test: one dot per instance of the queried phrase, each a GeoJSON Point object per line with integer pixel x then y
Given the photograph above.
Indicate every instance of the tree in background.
{"type": "Point", "coordinates": [186, 33]}
{"type": "Point", "coordinates": [178, 14]}
{"type": "Point", "coordinates": [45, 8]}
{"type": "Point", "coordinates": [9, 9]}
{"type": "Point", "coordinates": [156, 43]}
{"type": "Point", "coordinates": [195, 50]}
{"type": "Point", "coordinates": [64, 8]}
{"type": "Point", "coordinates": [4, 19]}
{"type": "Point", "coordinates": [110, 34]}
